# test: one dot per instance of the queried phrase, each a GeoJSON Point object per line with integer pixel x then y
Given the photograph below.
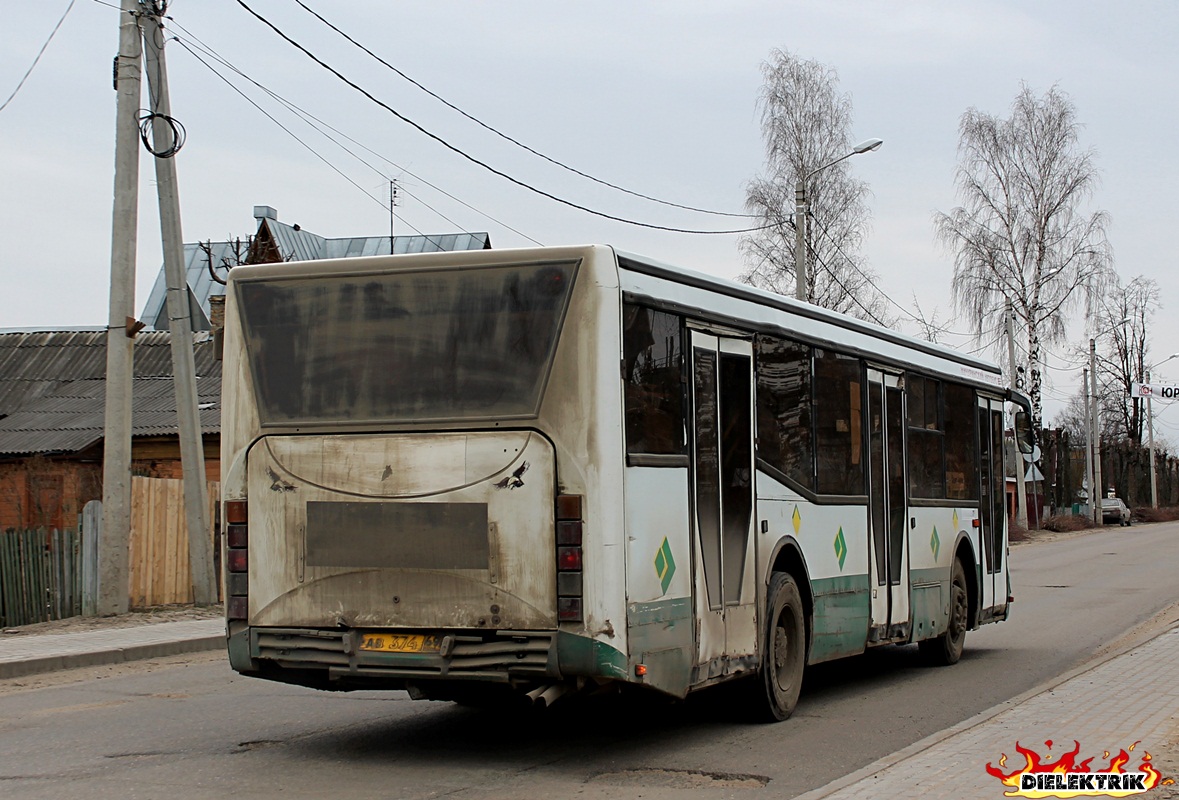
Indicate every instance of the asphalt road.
{"type": "Point", "coordinates": [189, 728]}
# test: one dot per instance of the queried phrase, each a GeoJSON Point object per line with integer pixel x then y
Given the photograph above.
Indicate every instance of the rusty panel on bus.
{"type": "Point", "coordinates": [403, 530]}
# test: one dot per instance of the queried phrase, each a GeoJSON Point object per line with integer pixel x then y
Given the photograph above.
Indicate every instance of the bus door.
{"type": "Point", "coordinates": [887, 507]}
{"type": "Point", "coordinates": [722, 493]}
{"type": "Point", "coordinates": [992, 510]}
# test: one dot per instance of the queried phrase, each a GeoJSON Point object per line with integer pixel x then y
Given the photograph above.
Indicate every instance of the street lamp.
{"type": "Point", "coordinates": [800, 208]}
{"type": "Point", "coordinates": [1154, 480]}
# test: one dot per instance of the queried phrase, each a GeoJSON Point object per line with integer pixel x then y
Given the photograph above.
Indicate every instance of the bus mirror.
{"type": "Point", "coordinates": [1023, 433]}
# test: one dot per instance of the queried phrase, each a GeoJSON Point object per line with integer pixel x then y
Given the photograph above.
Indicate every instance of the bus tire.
{"type": "Point", "coordinates": [944, 650]}
{"type": "Point", "coordinates": [784, 651]}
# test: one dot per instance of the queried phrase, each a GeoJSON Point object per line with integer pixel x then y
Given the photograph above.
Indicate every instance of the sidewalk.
{"type": "Point", "coordinates": [1130, 698]}
{"type": "Point", "coordinates": [28, 654]}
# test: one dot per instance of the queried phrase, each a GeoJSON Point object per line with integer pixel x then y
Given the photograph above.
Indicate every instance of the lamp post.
{"type": "Point", "coordinates": [800, 209]}
{"type": "Point", "coordinates": [1154, 480]}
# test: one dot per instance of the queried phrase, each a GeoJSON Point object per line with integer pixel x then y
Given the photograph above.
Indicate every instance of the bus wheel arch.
{"type": "Point", "coordinates": [964, 554]}
{"type": "Point", "coordinates": [774, 691]}
{"type": "Point", "coordinates": [946, 648]}
{"type": "Point", "coordinates": [785, 637]}
{"type": "Point", "coordinates": [788, 559]}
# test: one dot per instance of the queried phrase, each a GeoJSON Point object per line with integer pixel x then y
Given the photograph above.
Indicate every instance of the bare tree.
{"type": "Point", "coordinates": [1123, 314]}
{"type": "Point", "coordinates": [805, 123]}
{"type": "Point", "coordinates": [1020, 234]}
{"type": "Point", "coordinates": [1073, 417]}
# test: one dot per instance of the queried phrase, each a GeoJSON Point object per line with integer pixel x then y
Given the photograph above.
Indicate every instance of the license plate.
{"type": "Point", "coordinates": [400, 643]}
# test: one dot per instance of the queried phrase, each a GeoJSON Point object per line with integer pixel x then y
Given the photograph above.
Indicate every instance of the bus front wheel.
{"type": "Point", "coordinates": [946, 649]}
{"type": "Point", "coordinates": [784, 651]}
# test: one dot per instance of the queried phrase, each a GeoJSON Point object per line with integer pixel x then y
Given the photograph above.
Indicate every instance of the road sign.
{"type": "Point", "coordinates": [1156, 391]}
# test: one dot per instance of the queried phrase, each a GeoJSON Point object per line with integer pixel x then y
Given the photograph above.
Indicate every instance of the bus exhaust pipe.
{"type": "Point", "coordinates": [545, 696]}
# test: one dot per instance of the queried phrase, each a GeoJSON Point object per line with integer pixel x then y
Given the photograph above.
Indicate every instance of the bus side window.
{"type": "Point", "coordinates": [927, 438]}
{"type": "Point", "coordinates": [839, 437]}
{"type": "Point", "coordinates": [961, 443]}
{"type": "Point", "coordinates": [652, 349]}
{"type": "Point", "coordinates": [785, 427]}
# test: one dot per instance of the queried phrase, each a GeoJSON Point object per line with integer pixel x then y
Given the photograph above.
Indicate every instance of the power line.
{"type": "Point", "coordinates": [505, 136]}
{"type": "Point", "coordinates": [315, 121]}
{"type": "Point", "coordinates": [309, 148]}
{"type": "Point", "coordinates": [883, 293]}
{"type": "Point", "coordinates": [40, 53]}
{"type": "Point", "coordinates": [308, 117]}
{"type": "Point", "coordinates": [472, 158]}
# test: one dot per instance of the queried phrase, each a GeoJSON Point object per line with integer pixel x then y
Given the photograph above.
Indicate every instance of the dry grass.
{"type": "Point", "coordinates": [1148, 514]}
{"type": "Point", "coordinates": [1065, 523]}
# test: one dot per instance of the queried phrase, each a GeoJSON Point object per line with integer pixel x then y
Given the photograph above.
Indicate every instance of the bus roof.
{"type": "Point", "coordinates": [809, 322]}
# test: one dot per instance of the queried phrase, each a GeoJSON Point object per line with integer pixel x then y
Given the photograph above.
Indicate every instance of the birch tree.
{"type": "Point", "coordinates": [805, 122]}
{"type": "Point", "coordinates": [1020, 234]}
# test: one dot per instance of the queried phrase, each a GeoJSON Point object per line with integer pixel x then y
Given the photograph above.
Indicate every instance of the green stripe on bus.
{"type": "Point", "coordinates": [581, 655]}
{"type": "Point", "coordinates": [842, 608]}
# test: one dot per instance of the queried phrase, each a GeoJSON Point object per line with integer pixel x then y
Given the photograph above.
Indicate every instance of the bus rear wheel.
{"type": "Point", "coordinates": [784, 650]}
{"type": "Point", "coordinates": [946, 649]}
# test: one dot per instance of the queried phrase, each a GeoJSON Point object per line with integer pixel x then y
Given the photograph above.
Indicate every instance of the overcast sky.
{"type": "Point", "coordinates": [660, 98]}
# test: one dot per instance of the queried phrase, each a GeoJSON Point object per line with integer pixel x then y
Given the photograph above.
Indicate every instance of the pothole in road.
{"type": "Point", "coordinates": [681, 779]}
{"type": "Point", "coordinates": [258, 744]}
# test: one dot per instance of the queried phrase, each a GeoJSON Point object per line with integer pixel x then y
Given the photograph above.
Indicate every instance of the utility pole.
{"type": "Point", "coordinates": [192, 457]}
{"type": "Point", "coordinates": [392, 205]}
{"type": "Point", "coordinates": [1154, 478]}
{"type": "Point", "coordinates": [1088, 441]}
{"type": "Point", "coordinates": [1021, 514]}
{"type": "Point", "coordinates": [800, 277]}
{"type": "Point", "coordinates": [114, 541]}
{"type": "Point", "coordinates": [1098, 486]}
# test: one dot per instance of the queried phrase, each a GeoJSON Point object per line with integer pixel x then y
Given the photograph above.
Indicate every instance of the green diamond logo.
{"type": "Point", "coordinates": [664, 564]}
{"type": "Point", "coordinates": [840, 548]}
{"type": "Point", "coordinates": [935, 544]}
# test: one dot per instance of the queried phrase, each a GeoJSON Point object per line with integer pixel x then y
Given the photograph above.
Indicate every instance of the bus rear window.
{"type": "Point", "coordinates": [456, 344]}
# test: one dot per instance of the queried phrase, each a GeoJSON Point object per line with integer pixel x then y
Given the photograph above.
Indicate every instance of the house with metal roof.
{"type": "Point", "coordinates": [52, 399]}
{"type": "Point", "coordinates": [205, 263]}
{"type": "Point", "coordinates": [53, 387]}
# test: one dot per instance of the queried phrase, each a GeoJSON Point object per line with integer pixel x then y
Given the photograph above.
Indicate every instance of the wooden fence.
{"type": "Point", "coordinates": [159, 541]}
{"type": "Point", "coordinates": [52, 574]}
{"type": "Point", "coordinates": [40, 576]}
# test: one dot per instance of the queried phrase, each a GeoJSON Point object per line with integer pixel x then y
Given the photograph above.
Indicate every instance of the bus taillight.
{"type": "Point", "coordinates": [237, 560]}
{"type": "Point", "coordinates": [569, 552]}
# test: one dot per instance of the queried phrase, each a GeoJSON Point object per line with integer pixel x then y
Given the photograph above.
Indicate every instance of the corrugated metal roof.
{"type": "Point", "coordinates": [293, 245]}
{"type": "Point", "coordinates": [53, 389]}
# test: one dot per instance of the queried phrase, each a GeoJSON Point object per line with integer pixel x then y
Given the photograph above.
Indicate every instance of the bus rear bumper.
{"type": "Point", "coordinates": [334, 659]}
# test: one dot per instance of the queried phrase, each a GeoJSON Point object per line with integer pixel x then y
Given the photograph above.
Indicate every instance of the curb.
{"type": "Point", "coordinates": [112, 655]}
{"type": "Point", "coordinates": [922, 745]}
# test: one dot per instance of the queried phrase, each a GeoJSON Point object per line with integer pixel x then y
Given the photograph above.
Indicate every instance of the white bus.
{"type": "Point", "coordinates": [561, 469]}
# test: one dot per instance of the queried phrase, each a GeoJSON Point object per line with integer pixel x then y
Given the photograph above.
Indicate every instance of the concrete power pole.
{"type": "Point", "coordinates": [113, 564]}
{"type": "Point", "coordinates": [1021, 496]}
{"type": "Point", "coordinates": [1088, 442]}
{"type": "Point", "coordinates": [801, 287]}
{"type": "Point", "coordinates": [1098, 484]}
{"type": "Point", "coordinates": [192, 457]}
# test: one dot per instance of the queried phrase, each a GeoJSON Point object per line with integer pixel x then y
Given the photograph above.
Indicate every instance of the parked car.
{"type": "Point", "coordinates": [1114, 510]}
